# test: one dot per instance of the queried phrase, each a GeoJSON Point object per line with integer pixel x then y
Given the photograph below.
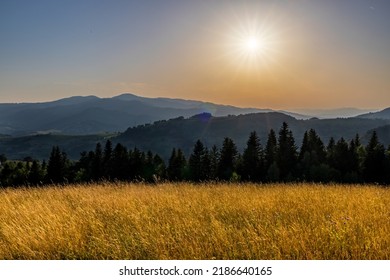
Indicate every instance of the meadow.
{"type": "Point", "coordinates": [189, 221]}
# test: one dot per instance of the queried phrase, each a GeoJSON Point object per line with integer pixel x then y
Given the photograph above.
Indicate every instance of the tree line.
{"type": "Point", "coordinates": [279, 160]}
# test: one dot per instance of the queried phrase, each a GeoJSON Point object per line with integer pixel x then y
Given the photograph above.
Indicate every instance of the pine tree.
{"type": "Point", "coordinates": [214, 162]}
{"type": "Point", "coordinates": [330, 150]}
{"type": "Point", "coordinates": [252, 159]}
{"type": "Point", "coordinates": [228, 157]}
{"type": "Point", "coordinates": [120, 163]}
{"type": "Point", "coordinates": [97, 163]}
{"type": "Point", "coordinates": [58, 166]}
{"type": "Point", "coordinates": [136, 163]}
{"type": "Point", "coordinates": [160, 171]}
{"type": "Point", "coordinates": [206, 166]}
{"type": "Point", "coordinates": [196, 162]}
{"type": "Point", "coordinates": [270, 149]}
{"type": "Point", "coordinates": [176, 165]}
{"type": "Point", "coordinates": [148, 169]}
{"type": "Point", "coordinates": [36, 175]}
{"type": "Point", "coordinates": [312, 154]}
{"type": "Point", "coordinates": [304, 147]}
{"type": "Point", "coordinates": [84, 167]}
{"type": "Point", "coordinates": [353, 161]}
{"type": "Point", "coordinates": [270, 156]}
{"type": "Point", "coordinates": [286, 157]}
{"type": "Point", "coordinates": [374, 165]}
{"type": "Point", "coordinates": [107, 159]}
{"type": "Point", "coordinates": [21, 172]}
{"type": "Point", "coordinates": [341, 159]}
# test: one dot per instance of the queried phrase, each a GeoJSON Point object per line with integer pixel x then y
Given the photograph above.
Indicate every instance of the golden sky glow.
{"type": "Point", "coordinates": [264, 54]}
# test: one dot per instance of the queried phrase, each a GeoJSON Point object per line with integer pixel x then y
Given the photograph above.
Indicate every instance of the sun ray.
{"type": "Point", "coordinates": [252, 44]}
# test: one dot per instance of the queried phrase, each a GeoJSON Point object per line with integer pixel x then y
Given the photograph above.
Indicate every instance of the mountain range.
{"type": "Point", "coordinates": [84, 115]}
{"type": "Point", "coordinates": [384, 114]}
{"type": "Point", "coordinates": [91, 115]}
{"type": "Point", "coordinates": [333, 113]}
{"type": "Point", "coordinates": [76, 124]}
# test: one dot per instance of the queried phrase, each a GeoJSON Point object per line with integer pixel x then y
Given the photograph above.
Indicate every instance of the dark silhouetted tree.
{"type": "Point", "coordinates": [58, 166]}
{"type": "Point", "coordinates": [107, 159]}
{"type": "Point", "coordinates": [120, 163]}
{"type": "Point", "coordinates": [228, 158]}
{"type": "Point", "coordinates": [330, 151]}
{"type": "Point", "coordinates": [136, 164]}
{"type": "Point", "coordinates": [176, 165]}
{"type": "Point", "coordinates": [252, 160]}
{"type": "Point", "coordinates": [36, 174]}
{"type": "Point", "coordinates": [97, 163]}
{"type": "Point", "coordinates": [374, 165]}
{"type": "Point", "coordinates": [148, 169]}
{"type": "Point", "coordinates": [342, 160]}
{"type": "Point", "coordinates": [271, 149]}
{"type": "Point", "coordinates": [312, 155]}
{"type": "Point", "coordinates": [354, 174]}
{"type": "Point", "coordinates": [160, 171]}
{"type": "Point", "coordinates": [286, 154]}
{"type": "Point", "coordinates": [214, 161]}
{"type": "Point", "coordinates": [14, 174]}
{"type": "Point", "coordinates": [270, 153]}
{"type": "Point", "coordinates": [197, 162]}
{"type": "Point", "coordinates": [84, 167]}
{"type": "Point", "coordinates": [7, 172]}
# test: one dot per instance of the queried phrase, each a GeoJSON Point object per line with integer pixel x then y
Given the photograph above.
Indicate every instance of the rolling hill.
{"type": "Point", "coordinates": [384, 114]}
{"type": "Point", "coordinates": [182, 133]}
{"type": "Point", "coordinates": [161, 136]}
{"type": "Point", "coordinates": [85, 115]}
{"type": "Point", "coordinates": [77, 123]}
{"type": "Point", "coordinates": [92, 115]}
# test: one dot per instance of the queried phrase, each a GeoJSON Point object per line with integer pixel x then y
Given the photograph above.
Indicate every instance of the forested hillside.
{"type": "Point", "coordinates": [280, 159]}
{"type": "Point", "coordinates": [161, 136]}
{"type": "Point", "coordinates": [182, 133]}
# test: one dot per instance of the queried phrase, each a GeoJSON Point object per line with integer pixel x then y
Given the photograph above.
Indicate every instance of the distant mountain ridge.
{"type": "Point", "coordinates": [83, 115]}
{"type": "Point", "coordinates": [332, 113]}
{"type": "Point", "coordinates": [77, 123]}
{"type": "Point", "coordinates": [384, 114]}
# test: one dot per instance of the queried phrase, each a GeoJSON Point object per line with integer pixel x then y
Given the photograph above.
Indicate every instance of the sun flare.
{"type": "Point", "coordinates": [253, 45]}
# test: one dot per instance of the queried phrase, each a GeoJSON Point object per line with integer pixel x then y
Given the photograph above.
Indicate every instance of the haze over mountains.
{"type": "Point", "coordinates": [333, 113]}
{"type": "Point", "coordinates": [83, 115]}
{"type": "Point", "coordinates": [384, 114]}
{"type": "Point", "coordinates": [76, 124]}
{"type": "Point", "coordinates": [90, 115]}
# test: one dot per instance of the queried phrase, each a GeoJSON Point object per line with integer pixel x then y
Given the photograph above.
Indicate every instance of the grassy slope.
{"type": "Point", "coordinates": [184, 221]}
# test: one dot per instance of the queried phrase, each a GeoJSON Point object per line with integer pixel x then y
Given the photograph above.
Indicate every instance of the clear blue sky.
{"type": "Point", "coordinates": [317, 53]}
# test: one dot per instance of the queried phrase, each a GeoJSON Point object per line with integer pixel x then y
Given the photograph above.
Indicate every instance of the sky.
{"type": "Point", "coordinates": [278, 54]}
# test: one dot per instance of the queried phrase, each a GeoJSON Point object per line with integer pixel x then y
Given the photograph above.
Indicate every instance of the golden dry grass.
{"type": "Point", "coordinates": [186, 221]}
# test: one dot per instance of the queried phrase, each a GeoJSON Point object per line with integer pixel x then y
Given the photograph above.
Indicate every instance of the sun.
{"type": "Point", "coordinates": [252, 48]}
{"type": "Point", "coordinates": [252, 44]}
